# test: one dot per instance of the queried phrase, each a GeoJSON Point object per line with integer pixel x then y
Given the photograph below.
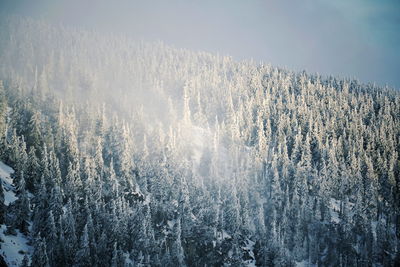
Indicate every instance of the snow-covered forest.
{"type": "Point", "coordinates": [127, 153]}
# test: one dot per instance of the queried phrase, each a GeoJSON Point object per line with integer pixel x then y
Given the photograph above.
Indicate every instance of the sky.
{"type": "Point", "coordinates": [348, 38]}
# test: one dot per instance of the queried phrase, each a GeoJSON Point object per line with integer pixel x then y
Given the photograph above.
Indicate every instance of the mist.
{"type": "Point", "coordinates": [355, 39]}
{"type": "Point", "coordinates": [225, 133]}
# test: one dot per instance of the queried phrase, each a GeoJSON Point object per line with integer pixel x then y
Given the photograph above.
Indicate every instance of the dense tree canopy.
{"type": "Point", "coordinates": [132, 153]}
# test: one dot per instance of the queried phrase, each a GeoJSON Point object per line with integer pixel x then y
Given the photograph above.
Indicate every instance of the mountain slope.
{"type": "Point", "coordinates": [144, 154]}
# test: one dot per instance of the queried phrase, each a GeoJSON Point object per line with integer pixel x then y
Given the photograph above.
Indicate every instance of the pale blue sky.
{"type": "Point", "coordinates": [351, 38]}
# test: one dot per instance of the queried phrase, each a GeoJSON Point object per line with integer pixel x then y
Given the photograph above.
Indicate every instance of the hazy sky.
{"type": "Point", "coordinates": [351, 38]}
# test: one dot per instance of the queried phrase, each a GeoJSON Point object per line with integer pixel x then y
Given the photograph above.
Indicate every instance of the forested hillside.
{"type": "Point", "coordinates": [138, 154]}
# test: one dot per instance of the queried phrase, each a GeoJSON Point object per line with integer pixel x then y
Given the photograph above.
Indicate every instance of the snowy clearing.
{"type": "Point", "coordinates": [5, 172]}
{"type": "Point", "coordinates": [13, 248]}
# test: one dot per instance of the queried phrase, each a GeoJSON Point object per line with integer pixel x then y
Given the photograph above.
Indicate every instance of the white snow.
{"type": "Point", "coordinates": [5, 172]}
{"type": "Point", "coordinates": [171, 223]}
{"type": "Point", "coordinates": [13, 248]}
{"type": "Point", "coordinates": [223, 235]}
{"type": "Point", "coordinates": [303, 263]}
{"type": "Point", "coordinates": [147, 199]}
{"type": "Point", "coordinates": [334, 210]}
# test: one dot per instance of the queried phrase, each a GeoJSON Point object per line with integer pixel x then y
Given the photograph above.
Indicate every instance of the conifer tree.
{"type": "Point", "coordinates": [3, 113]}
{"type": "Point", "coordinates": [21, 208]}
{"type": "Point", "coordinates": [83, 257]}
{"type": "Point", "coordinates": [69, 234]}
{"type": "Point", "coordinates": [32, 173]}
{"type": "Point", "coordinates": [39, 256]}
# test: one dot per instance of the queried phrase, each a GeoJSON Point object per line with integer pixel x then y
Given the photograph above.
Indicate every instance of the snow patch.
{"type": "Point", "coordinates": [5, 171]}
{"type": "Point", "coordinates": [171, 223]}
{"type": "Point", "coordinates": [14, 248]}
{"type": "Point", "coordinates": [223, 235]}
{"type": "Point", "coordinates": [147, 199]}
{"type": "Point", "coordinates": [303, 263]}
{"type": "Point", "coordinates": [6, 180]}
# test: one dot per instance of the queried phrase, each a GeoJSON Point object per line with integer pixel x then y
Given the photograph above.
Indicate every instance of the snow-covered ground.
{"type": "Point", "coordinates": [13, 248]}
{"type": "Point", "coordinates": [5, 172]}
